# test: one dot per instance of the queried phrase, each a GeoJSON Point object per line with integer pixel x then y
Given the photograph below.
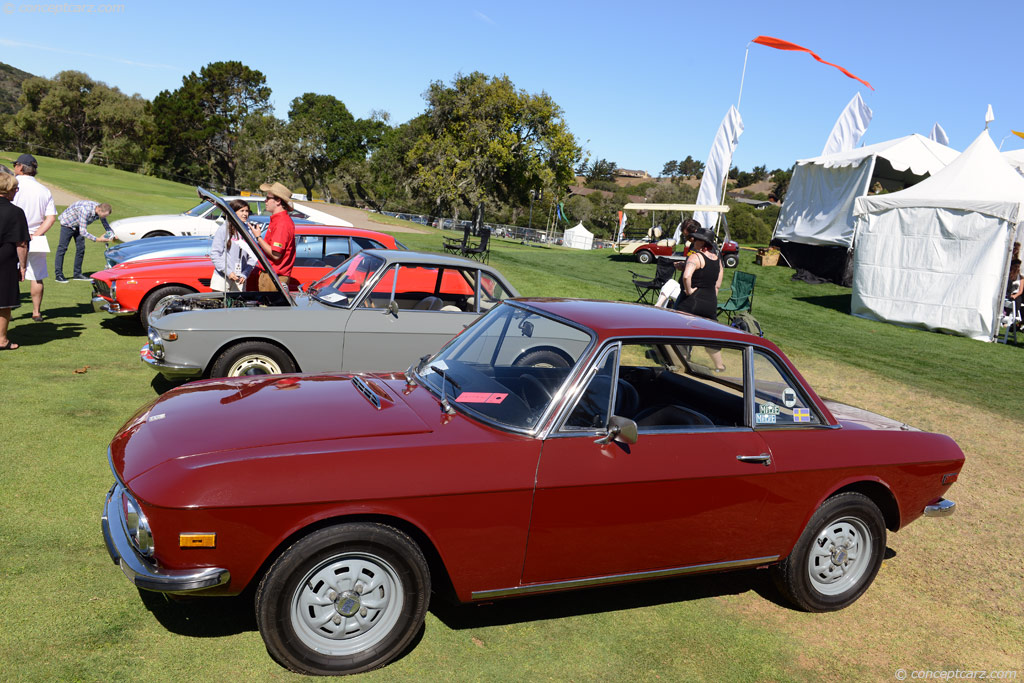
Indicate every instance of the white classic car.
{"type": "Point", "coordinates": [204, 219]}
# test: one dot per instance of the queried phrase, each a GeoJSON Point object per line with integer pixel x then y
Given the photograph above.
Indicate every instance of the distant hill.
{"type": "Point", "coordinates": [10, 87]}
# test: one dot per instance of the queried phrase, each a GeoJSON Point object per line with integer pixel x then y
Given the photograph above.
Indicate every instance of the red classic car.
{"type": "Point", "coordinates": [554, 444]}
{"type": "Point", "coordinates": [137, 287]}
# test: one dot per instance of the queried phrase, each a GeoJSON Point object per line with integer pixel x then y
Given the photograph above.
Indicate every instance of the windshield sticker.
{"type": "Point", "coordinates": [801, 415]}
{"type": "Point", "coordinates": [334, 298]}
{"type": "Point", "coordinates": [480, 397]}
{"type": "Point", "coordinates": [768, 409]}
{"type": "Point", "coordinates": [439, 365]}
{"type": "Point", "coordinates": [788, 397]}
{"type": "Point", "coordinates": [763, 419]}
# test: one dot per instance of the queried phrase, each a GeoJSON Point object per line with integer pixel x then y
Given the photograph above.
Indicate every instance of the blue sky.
{"type": "Point", "coordinates": [640, 82]}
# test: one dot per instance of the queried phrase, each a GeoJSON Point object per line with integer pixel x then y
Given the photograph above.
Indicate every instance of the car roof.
{"type": "Point", "coordinates": [338, 231]}
{"type": "Point", "coordinates": [624, 319]}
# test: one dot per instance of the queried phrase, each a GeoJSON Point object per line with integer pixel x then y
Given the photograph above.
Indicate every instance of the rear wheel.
{"type": "Point", "coordinates": [252, 358]}
{"type": "Point", "coordinates": [345, 599]}
{"type": "Point", "coordinates": [731, 260]}
{"type": "Point", "coordinates": [645, 257]}
{"type": "Point", "coordinates": [157, 297]}
{"type": "Point", "coordinates": [837, 556]}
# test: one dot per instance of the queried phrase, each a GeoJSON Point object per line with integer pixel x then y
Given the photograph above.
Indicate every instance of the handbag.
{"type": "Point", "coordinates": [217, 282]}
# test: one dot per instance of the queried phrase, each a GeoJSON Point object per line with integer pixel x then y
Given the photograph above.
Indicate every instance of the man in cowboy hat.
{"type": "Point", "coordinates": [279, 242]}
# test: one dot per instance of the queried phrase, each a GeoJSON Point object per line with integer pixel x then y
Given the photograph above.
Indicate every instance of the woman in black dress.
{"type": "Point", "coordinates": [13, 255]}
{"type": "Point", "coordinates": [702, 278]}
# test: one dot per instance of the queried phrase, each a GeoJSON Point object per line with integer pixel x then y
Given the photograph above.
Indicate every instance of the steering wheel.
{"type": "Point", "coordinates": [534, 392]}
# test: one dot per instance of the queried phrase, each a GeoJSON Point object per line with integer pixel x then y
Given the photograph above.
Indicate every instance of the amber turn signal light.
{"type": "Point", "coordinates": [197, 540]}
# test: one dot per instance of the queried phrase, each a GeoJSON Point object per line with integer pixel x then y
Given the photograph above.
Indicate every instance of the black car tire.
{"type": "Point", "coordinates": [645, 257]}
{"type": "Point", "coordinates": [543, 357]}
{"type": "Point", "coordinates": [731, 261]}
{"type": "Point", "coordinates": [345, 599]}
{"type": "Point", "coordinates": [837, 556]}
{"type": "Point", "coordinates": [154, 298]}
{"type": "Point", "coordinates": [252, 358]}
{"type": "Point", "coordinates": [156, 233]}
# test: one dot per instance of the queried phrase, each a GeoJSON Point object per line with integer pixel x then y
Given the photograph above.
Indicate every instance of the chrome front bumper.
{"type": "Point", "coordinates": [101, 304]}
{"type": "Point", "coordinates": [944, 508]}
{"type": "Point", "coordinates": [141, 571]}
{"type": "Point", "coordinates": [168, 370]}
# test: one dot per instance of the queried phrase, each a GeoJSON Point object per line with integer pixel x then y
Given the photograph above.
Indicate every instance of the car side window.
{"type": "Point", "coordinates": [367, 243]}
{"type": "Point", "coordinates": [778, 399]}
{"type": "Point", "coordinates": [491, 292]}
{"type": "Point", "coordinates": [336, 250]}
{"type": "Point", "coordinates": [668, 386]}
{"type": "Point", "coordinates": [414, 289]}
{"type": "Point", "coordinates": [591, 411]}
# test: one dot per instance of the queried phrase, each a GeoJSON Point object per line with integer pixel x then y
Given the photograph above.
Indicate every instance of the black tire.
{"type": "Point", "coordinates": [154, 298]}
{"type": "Point", "coordinates": [645, 257]}
{"type": "Point", "coordinates": [327, 573]}
{"type": "Point", "coordinates": [252, 358]}
{"type": "Point", "coordinates": [543, 357]}
{"type": "Point", "coordinates": [836, 557]}
{"type": "Point", "coordinates": [731, 260]}
{"type": "Point", "coordinates": [157, 233]}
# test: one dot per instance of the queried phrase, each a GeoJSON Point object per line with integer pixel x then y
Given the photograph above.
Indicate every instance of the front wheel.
{"type": "Point", "coordinates": [645, 257]}
{"type": "Point", "coordinates": [837, 555]}
{"type": "Point", "coordinates": [343, 600]}
{"type": "Point", "coordinates": [157, 297]}
{"type": "Point", "coordinates": [156, 233]}
{"type": "Point", "coordinates": [731, 261]}
{"type": "Point", "coordinates": [252, 358]}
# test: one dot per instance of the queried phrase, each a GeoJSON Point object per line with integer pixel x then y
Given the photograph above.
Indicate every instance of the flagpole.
{"type": "Point", "coordinates": [743, 75]}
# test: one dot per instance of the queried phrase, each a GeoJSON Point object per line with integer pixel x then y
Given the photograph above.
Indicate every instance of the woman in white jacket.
{"type": "Point", "coordinates": [232, 260]}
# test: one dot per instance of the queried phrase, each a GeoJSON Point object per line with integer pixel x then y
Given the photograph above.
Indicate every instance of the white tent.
{"type": "Point", "coordinates": [818, 210]}
{"type": "Point", "coordinates": [1015, 157]}
{"type": "Point", "coordinates": [578, 237]}
{"type": "Point", "coordinates": [936, 254]}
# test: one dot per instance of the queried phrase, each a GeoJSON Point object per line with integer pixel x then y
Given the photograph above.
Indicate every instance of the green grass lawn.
{"type": "Point", "coordinates": [69, 614]}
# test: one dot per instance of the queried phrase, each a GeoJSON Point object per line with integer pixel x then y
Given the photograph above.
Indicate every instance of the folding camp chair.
{"type": "Point", "coordinates": [455, 246]}
{"type": "Point", "coordinates": [741, 295]}
{"type": "Point", "coordinates": [647, 289]}
{"type": "Point", "coordinates": [1010, 319]}
{"type": "Point", "coordinates": [482, 251]}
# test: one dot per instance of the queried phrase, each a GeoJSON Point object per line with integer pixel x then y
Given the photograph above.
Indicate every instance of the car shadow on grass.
{"type": "Point", "coordinates": [123, 326]}
{"type": "Point", "coordinates": [837, 302]}
{"type": "Point", "coordinates": [604, 599]}
{"type": "Point", "coordinates": [161, 385]}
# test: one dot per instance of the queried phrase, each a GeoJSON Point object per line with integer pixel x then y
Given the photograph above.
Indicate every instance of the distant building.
{"type": "Point", "coordinates": [629, 173]}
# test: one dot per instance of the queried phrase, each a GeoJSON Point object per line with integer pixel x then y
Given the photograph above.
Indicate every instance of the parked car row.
{"type": "Point", "coordinates": [524, 435]}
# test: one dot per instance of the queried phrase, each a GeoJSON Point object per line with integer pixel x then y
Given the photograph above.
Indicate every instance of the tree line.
{"type": "Point", "coordinates": [479, 140]}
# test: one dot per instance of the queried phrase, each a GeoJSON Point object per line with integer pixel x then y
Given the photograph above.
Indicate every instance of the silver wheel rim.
{"type": "Point", "coordinates": [347, 604]}
{"type": "Point", "coordinates": [839, 556]}
{"type": "Point", "coordinates": [256, 364]}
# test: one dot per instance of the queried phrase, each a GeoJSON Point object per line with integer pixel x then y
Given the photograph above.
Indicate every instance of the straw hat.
{"type": "Point", "coordinates": [280, 191]}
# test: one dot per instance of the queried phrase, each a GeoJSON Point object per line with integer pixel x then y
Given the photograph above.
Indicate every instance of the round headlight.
{"type": "Point", "coordinates": [156, 344]}
{"type": "Point", "coordinates": [137, 526]}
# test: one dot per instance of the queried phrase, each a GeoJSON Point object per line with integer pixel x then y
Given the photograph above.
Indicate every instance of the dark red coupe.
{"type": "Point", "coordinates": [554, 444]}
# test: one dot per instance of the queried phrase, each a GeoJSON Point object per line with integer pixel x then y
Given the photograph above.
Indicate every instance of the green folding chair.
{"type": "Point", "coordinates": [741, 295]}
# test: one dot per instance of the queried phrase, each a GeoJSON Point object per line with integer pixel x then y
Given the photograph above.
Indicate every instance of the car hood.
{"type": "Point", "coordinates": [153, 268]}
{"type": "Point", "coordinates": [858, 418]}
{"type": "Point", "coordinates": [215, 422]}
{"type": "Point", "coordinates": [156, 218]}
{"type": "Point", "coordinates": [129, 250]}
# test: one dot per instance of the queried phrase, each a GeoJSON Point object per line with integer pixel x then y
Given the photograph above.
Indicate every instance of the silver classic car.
{"type": "Point", "coordinates": [377, 311]}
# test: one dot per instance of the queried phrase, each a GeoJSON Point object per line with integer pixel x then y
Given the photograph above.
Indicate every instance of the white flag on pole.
{"type": "Point", "coordinates": [989, 116]}
{"type": "Point", "coordinates": [716, 170]}
{"type": "Point", "coordinates": [938, 135]}
{"type": "Point", "coordinates": [849, 128]}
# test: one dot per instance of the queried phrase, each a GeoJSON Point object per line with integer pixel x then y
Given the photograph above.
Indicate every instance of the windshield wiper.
{"type": "Point", "coordinates": [446, 407]}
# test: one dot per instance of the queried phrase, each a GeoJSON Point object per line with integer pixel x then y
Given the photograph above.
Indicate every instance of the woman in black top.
{"type": "Point", "coordinates": [702, 278]}
{"type": "Point", "coordinates": [13, 255]}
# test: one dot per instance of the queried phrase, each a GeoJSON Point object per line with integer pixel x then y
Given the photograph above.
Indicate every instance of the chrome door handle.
{"type": "Point", "coordinates": [764, 458]}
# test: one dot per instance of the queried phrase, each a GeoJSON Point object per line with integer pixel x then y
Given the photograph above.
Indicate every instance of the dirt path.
{"type": "Point", "coordinates": [61, 197]}
{"type": "Point", "coordinates": [952, 596]}
{"type": "Point", "coordinates": [358, 217]}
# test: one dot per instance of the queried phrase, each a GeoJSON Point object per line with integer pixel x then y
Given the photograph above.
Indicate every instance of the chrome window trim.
{"type": "Point", "coordinates": [619, 578]}
{"type": "Point", "coordinates": [784, 372]}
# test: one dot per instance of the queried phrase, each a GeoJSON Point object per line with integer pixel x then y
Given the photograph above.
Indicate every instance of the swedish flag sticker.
{"type": "Point", "coordinates": [801, 415]}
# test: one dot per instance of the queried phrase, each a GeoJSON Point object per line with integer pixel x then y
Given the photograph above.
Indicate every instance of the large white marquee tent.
{"type": "Point", "coordinates": [578, 237]}
{"type": "Point", "coordinates": [816, 223]}
{"type": "Point", "coordinates": [936, 255]}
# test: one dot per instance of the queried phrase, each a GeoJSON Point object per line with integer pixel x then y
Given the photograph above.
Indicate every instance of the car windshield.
{"type": "Point", "coordinates": [199, 210]}
{"type": "Point", "coordinates": [508, 367]}
{"type": "Point", "coordinates": [342, 285]}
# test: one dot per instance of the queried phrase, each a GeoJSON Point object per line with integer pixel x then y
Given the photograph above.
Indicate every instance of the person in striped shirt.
{"type": "Point", "coordinates": [74, 224]}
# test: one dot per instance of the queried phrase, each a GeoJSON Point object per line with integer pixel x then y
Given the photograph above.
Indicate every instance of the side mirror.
{"type": "Point", "coordinates": [391, 308]}
{"type": "Point", "coordinates": [620, 429]}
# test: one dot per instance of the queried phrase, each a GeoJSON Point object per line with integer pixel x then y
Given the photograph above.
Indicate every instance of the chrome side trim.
{"type": "Point", "coordinates": [944, 508]}
{"type": "Point", "coordinates": [142, 572]}
{"type": "Point", "coordinates": [619, 578]}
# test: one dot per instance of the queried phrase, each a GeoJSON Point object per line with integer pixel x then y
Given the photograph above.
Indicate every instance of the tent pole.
{"type": "Point", "coordinates": [743, 75]}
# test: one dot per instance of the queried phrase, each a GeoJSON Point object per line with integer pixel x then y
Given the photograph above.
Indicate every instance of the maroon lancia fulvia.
{"type": "Point", "coordinates": [503, 466]}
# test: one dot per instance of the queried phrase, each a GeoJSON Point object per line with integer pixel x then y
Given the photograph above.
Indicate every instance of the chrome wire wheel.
{"type": "Point", "coordinates": [347, 604]}
{"type": "Point", "coordinates": [255, 364]}
{"type": "Point", "coordinates": [840, 556]}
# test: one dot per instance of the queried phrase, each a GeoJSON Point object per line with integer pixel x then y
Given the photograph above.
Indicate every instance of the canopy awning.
{"type": "Point", "coordinates": [713, 208]}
